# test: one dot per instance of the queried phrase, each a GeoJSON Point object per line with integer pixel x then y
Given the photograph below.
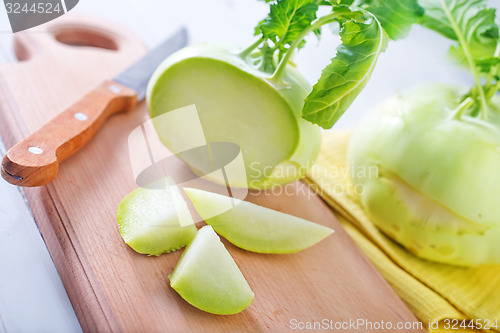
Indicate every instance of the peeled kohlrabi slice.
{"type": "Point", "coordinates": [155, 220]}
{"type": "Point", "coordinates": [207, 277]}
{"type": "Point", "coordinates": [253, 227]}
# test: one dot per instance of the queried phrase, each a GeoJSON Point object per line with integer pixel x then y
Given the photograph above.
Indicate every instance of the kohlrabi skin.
{"type": "Point", "coordinates": [238, 103]}
{"type": "Point", "coordinates": [438, 184]}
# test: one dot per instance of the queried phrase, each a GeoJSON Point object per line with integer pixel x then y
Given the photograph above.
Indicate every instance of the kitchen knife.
{"type": "Point", "coordinates": [35, 160]}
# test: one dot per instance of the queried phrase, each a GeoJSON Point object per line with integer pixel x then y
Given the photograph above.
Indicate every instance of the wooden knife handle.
{"type": "Point", "coordinates": [35, 160]}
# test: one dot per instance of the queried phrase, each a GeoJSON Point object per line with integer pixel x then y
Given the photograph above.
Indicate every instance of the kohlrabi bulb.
{"type": "Point", "coordinates": [437, 191]}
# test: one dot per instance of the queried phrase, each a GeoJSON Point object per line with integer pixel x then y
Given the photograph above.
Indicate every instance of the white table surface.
{"type": "Point", "coordinates": [32, 298]}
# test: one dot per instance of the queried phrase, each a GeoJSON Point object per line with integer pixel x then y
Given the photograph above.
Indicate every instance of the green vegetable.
{"type": "Point", "coordinates": [155, 221]}
{"type": "Point", "coordinates": [236, 104]}
{"type": "Point", "coordinates": [473, 26]}
{"type": "Point", "coordinates": [256, 228]}
{"type": "Point", "coordinates": [437, 151]}
{"type": "Point", "coordinates": [396, 16]}
{"type": "Point", "coordinates": [342, 80]}
{"type": "Point", "coordinates": [208, 278]}
{"type": "Point", "coordinates": [255, 97]}
{"type": "Point", "coordinates": [468, 22]}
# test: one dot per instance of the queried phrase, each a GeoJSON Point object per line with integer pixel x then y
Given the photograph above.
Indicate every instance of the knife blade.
{"type": "Point", "coordinates": [35, 160]}
{"type": "Point", "coordinates": [136, 77]}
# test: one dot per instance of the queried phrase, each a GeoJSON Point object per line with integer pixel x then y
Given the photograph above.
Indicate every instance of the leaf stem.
{"type": "Point", "coordinates": [280, 70]}
{"type": "Point", "coordinates": [493, 89]}
{"type": "Point", "coordinates": [459, 111]}
{"type": "Point", "coordinates": [246, 52]}
{"type": "Point", "coordinates": [493, 69]}
{"type": "Point", "coordinates": [470, 61]}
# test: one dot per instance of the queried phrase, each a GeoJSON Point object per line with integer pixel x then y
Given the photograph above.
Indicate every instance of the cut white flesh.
{"type": "Point", "coordinates": [233, 107]}
{"type": "Point", "coordinates": [253, 227]}
{"type": "Point", "coordinates": [239, 105]}
{"type": "Point", "coordinates": [155, 221]}
{"type": "Point", "coordinates": [207, 277]}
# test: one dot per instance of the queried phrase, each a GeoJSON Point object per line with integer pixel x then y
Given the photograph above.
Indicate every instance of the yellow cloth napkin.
{"type": "Point", "coordinates": [437, 293]}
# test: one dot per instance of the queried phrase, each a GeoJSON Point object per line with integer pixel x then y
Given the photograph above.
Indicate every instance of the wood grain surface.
{"type": "Point", "coordinates": [111, 287]}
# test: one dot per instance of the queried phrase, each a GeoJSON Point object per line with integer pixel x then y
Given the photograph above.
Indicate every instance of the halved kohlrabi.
{"type": "Point", "coordinates": [207, 277]}
{"type": "Point", "coordinates": [155, 220]}
{"type": "Point", "coordinates": [253, 227]}
{"type": "Point", "coordinates": [238, 103]}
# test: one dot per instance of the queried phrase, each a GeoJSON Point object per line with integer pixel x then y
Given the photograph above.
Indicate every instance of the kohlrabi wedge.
{"type": "Point", "coordinates": [155, 220]}
{"type": "Point", "coordinates": [253, 227]}
{"type": "Point", "coordinates": [255, 98]}
{"type": "Point", "coordinates": [207, 277]}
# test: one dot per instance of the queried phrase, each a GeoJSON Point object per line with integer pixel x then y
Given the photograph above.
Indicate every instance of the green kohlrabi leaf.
{"type": "Point", "coordinates": [267, 64]}
{"type": "Point", "coordinates": [485, 64]}
{"type": "Point", "coordinates": [396, 16]}
{"type": "Point", "coordinates": [468, 20]}
{"type": "Point", "coordinates": [286, 20]}
{"type": "Point", "coordinates": [346, 76]}
{"type": "Point", "coordinates": [343, 2]}
{"type": "Point", "coordinates": [473, 26]}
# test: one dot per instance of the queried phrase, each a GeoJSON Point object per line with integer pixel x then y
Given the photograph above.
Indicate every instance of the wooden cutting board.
{"type": "Point", "coordinates": [111, 287]}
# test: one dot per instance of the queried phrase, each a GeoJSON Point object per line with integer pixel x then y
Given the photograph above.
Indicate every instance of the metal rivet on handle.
{"type": "Point", "coordinates": [80, 116]}
{"type": "Point", "coordinates": [114, 88]}
{"type": "Point", "coordinates": [35, 150]}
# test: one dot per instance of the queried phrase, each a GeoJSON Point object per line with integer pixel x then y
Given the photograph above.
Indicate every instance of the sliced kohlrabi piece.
{"type": "Point", "coordinates": [155, 220]}
{"type": "Point", "coordinates": [237, 103]}
{"type": "Point", "coordinates": [207, 277]}
{"type": "Point", "coordinates": [253, 227]}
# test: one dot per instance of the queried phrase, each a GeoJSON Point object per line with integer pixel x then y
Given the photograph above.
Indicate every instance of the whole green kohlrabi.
{"type": "Point", "coordinates": [437, 188]}
{"type": "Point", "coordinates": [437, 150]}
